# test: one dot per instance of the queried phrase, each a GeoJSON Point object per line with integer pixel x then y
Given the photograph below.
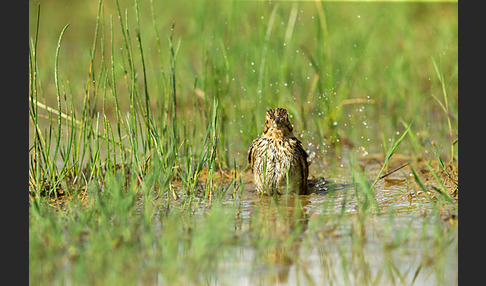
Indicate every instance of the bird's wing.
{"type": "Point", "coordinates": [303, 159]}
{"type": "Point", "coordinates": [250, 153]}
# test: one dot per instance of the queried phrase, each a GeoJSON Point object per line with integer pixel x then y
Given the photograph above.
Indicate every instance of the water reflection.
{"type": "Point", "coordinates": [325, 235]}
{"type": "Point", "coordinates": [329, 237]}
{"type": "Point", "coordinates": [279, 224]}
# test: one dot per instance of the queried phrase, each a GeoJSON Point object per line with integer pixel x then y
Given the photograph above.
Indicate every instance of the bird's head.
{"type": "Point", "coordinates": [277, 124]}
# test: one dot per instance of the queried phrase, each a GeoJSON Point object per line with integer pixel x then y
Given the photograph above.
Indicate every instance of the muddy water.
{"type": "Point", "coordinates": [324, 238]}
{"type": "Point", "coordinates": [331, 238]}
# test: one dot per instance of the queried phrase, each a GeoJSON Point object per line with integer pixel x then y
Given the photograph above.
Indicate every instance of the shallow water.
{"type": "Point", "coordinates": [326, 239]}
{"type": "Point", "coordinates": [323, 247]}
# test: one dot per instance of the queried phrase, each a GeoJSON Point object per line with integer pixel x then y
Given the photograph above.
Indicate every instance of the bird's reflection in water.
{"type": "Point", "coordinates": [279, 224]}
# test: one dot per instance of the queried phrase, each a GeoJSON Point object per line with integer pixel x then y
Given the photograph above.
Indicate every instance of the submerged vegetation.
{"type": "Point", "coordinates": [141, 114]}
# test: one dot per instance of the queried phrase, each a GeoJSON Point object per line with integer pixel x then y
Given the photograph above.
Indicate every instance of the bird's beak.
{"type": "Point", "coordinates": [276, 121]}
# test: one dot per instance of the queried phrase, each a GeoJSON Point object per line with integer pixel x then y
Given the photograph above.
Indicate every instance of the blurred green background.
{"type": "Point", "coordinates": [346, 71]}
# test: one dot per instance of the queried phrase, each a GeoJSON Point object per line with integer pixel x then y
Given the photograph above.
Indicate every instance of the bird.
{"type": "Point", "coordinates": [277, 159]}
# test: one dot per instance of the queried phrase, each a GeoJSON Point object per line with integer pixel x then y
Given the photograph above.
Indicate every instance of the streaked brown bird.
{"type": "Point", "coordinates": [277, 159]}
